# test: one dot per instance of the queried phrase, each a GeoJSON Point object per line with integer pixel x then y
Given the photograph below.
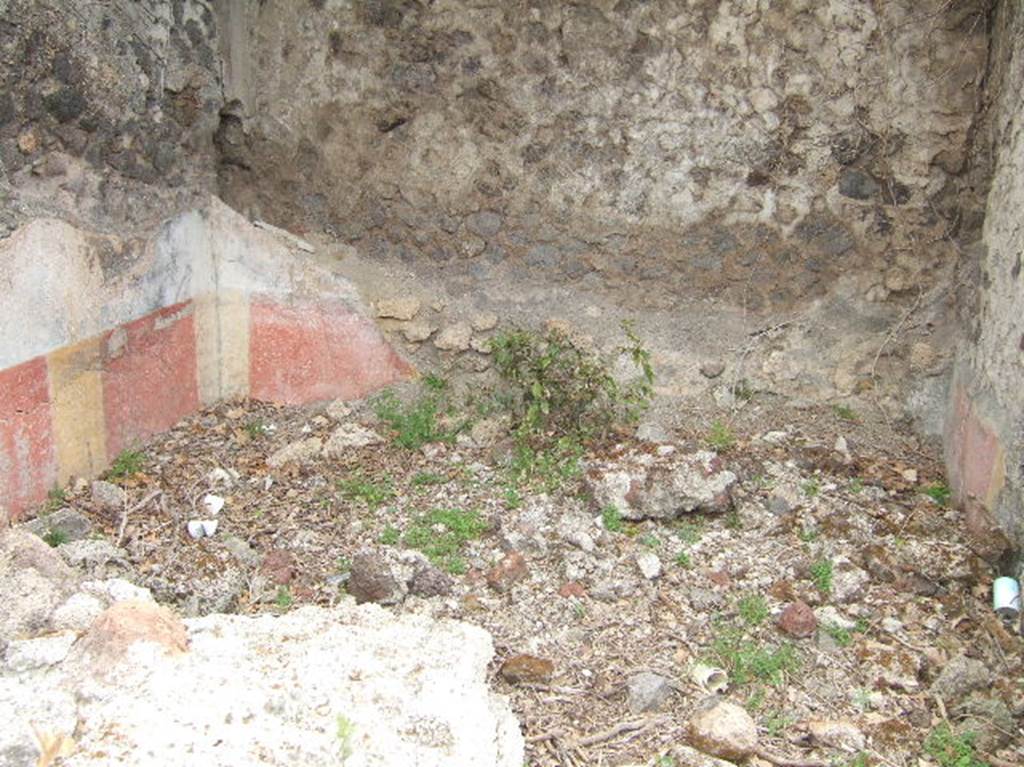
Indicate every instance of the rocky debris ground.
{"type": "Point", "coordinates": [96, 673]}
{"type": "Point", "coordinates": [810, 557]}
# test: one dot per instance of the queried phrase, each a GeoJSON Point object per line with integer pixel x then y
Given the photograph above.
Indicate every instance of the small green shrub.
{"type": "Point", "coordinates": [821, 574]}
{"type": "Point", "coordinates": [721, 437]}
{"type": "Point", "coordinates": [359, 488]}
{"type": "Point", "coordinates": [938, 492]}
{"type": "Point", "coordinates": [841, 636]}
{"type": "Point", "coordinates": [683, 560]}
{"type": "Point", "coordinates": [441, 534]}
{"type": "Point", "coordinates": [390, 536]}
{"type": "Point", "coordinates": [753, 609]}
{"type": "Point", "coordinates": [952, 750]}
{"type": "Point", "coordinates": [255, 428]}
{"type": "Point", "coordinates": [127, 463]}
{"type": "Point", "coordinates": [611, 518]}
{"type": "Point", "coordinates": [555, 388]}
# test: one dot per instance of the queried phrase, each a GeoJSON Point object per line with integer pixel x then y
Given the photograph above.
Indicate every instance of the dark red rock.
{"type": "Point", "coordinates": [572, 589]}
{"type": "Point", "coordinates": [279, 566]}
{"type": "Point", "coordinates": [527, 669]}
{"type": "Point", "coordinates": [509, 571]}
{"type": "Point", "coordinates": [798, 620]}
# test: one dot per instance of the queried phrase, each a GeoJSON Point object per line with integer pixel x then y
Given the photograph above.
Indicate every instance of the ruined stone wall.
{"type": "Point", "coordinates": [985, 439]}
{"type": "Point", "coordinates": [107, 110]}
{"type": "Point", "coordinates": [746, 149]}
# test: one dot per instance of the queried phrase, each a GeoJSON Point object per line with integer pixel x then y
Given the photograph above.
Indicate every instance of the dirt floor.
{"type": "Point", "coordinates": [860, 532]}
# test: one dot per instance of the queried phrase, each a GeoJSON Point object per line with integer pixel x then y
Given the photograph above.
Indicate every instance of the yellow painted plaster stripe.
{"type": "Point", "coordinates": [76, 391]}
{"type": "Point", "coordinates": [222, 346]}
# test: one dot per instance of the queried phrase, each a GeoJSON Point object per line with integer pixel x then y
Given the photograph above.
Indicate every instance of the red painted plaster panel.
{"type": "Point", "coordinates": [975, 453]}
{"type": "Point", "coordinates": [28, 464]}
{"type": "Point", "coordinates": [309, 352]}
{"type": "Point", "coordinates": [149, 380]}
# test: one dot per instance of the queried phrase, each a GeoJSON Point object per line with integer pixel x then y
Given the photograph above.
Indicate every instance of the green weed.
{"type": "Point", "coordinates": [952, 750]}
{"type": "Point", "coordinates": [811, 488]}
{"type": "Point", "coordinates": [441, 534]}
{"type": "Point", "coordinates": [753, 609]}
{"type": "Point", "coordinates": [939, 492]}
{"type": "Point", "coordinates": [821, 574]}
{"type": "Point", "coordinates": [435, 382]}
{"type": "Point", "coordinates": [127, 463]}
{"type": "Point", "coordinates": [747, 660]}
{"type": "Point", "coordinates": [513, 500]}
{"type": "Point", "coordinates": [56, 537]}
{"type": "Point", "coordinates": [845, 412]}
{"type": "Point", "coordinates": [683, 560]}
{"type": "Point", "coordinates": [426, 478]}
{"type": "Point", "coordinates": [690, 532]}
{"type": "Point", "coordinates": [390, 536]}
{"type": "Point", "coordinates": [56, 498]}
{"type": "Point", "coordinates": [776, 722]}
{"type": "Point", "coordinates": [345, 731]}
{"type": "Point", "coordinates": [650, 541]}
{"type": "Point", "coordinates": [359, 488]}
{"type": "Point", "coordinates": [611, 518]}
{"type": "Point", "coordinates": [255, 428]}
{"type": "Point", "coordinates": [284, 598]}
{"type": "Point", "coordinates": [413, 424]}
{"type": "Point", "coordinates": [721, 437]}
{"type": "Point", "coordinates": [548, 467]}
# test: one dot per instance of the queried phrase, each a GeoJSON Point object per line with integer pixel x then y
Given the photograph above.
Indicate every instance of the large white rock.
{"type": "Point", "coordinates": [351, 685]}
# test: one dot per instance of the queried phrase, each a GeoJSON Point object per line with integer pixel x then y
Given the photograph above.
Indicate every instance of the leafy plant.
{"type": "Point", "coordinates": [127, 463]}
{"type": "Point", "coordinates": [721, 437]}
{"type": "Point", "coordinates": [435, 382]}
{"type": "Point", "coordinates": [938, 492]}
{"type": "Point", "coordinates": [733, 521]}
{"type": "Point", "coordinates": [255, 428]}
{"type": "Point", "coordinates": [390, 536]}
{"type": "Point", "coordinates": [808, 535]}
{"type": "Point", "coordinates": [753, 609]}
{"type": "Point", "coordinates": [359, 488]}
{"type": "Point", "coordinates": [441, 534]}
{"type": "Point", "coordinates": [611, 518]}
{"type": "Point", "coordinates": [683, 559]}
{"type": "Point", "coordinates": [952, 750]}
{"type": "Point", "coordinates": [346, 729]}
{"type": "Point", "coordinates": [557, 388]}
{"type": "Point", "coordinates": [821, 574]}
{"type": "Point", "coordinates": [56, 537]}
{"type": "Point", "coordinates": [856, 485]}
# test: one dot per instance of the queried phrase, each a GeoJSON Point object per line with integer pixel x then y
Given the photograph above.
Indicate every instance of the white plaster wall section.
{"type": "Point", "coordinates": [34, 267]}
{"type": "Point", "coordinates": [257, 262]}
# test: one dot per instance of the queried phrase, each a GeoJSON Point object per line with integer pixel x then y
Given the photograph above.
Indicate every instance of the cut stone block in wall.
{"type": "Point", "coordinates": [99, 353]}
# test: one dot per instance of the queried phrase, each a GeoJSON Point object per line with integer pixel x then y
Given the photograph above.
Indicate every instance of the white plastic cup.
{"type": "Point", "coordinates": [1006, 597]}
